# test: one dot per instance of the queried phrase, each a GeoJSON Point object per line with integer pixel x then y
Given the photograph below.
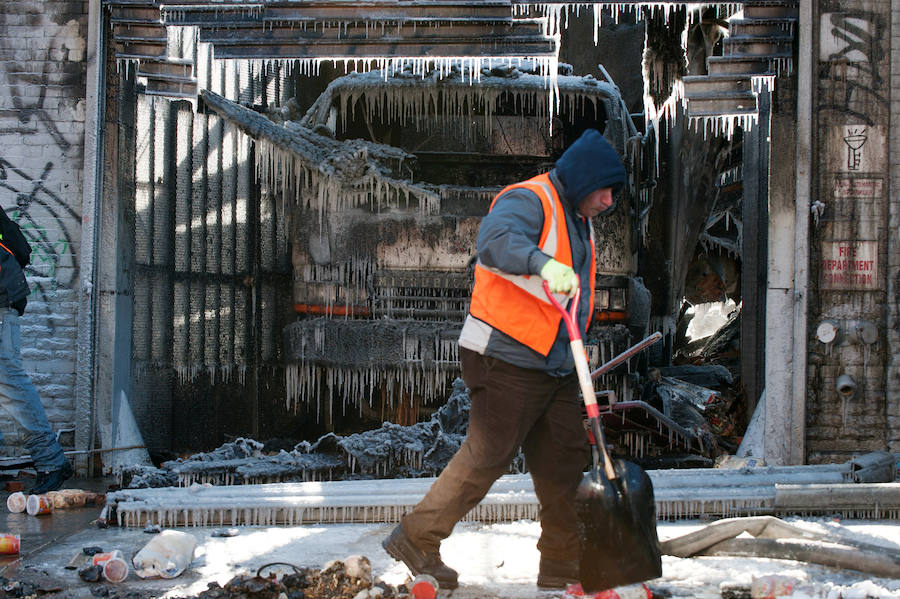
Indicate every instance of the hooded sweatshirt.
{"type": "Point", "coordinates": [509, 234]}
{"type": "Point", "coordinates": [589, 164]}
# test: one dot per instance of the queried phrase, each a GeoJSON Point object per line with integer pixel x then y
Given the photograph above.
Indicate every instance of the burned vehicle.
{"type": "Point", "coordinates": [382, 274]}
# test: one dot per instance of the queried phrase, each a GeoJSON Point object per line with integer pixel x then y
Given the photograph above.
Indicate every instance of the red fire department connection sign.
{"type": "Point", "coordinates": [849, 265]}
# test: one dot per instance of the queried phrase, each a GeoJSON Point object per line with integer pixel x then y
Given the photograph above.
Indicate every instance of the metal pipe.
{"type": "Point", "coordinates": [628, 353]}
{"type": "Point", "coordinates": [806, 89]}
{"type": "Point", "coordinates": [678, 493]}
{"type": "Point", "coordinates": [92, 194]}
{"type": "Point", "coordinates": [104, 450]}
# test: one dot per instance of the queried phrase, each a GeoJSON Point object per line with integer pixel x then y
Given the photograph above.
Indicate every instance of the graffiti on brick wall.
{"type": "Point", "coordinates": [852, 52]}
{"type": "Point", "coordinates": [29, 81]}
{"type": "Point", "coordinates": [45, 219]}
{"type": "Point", "coordinates": [44, 92]}
{"type": "Point", "coordinates": [30, 116]}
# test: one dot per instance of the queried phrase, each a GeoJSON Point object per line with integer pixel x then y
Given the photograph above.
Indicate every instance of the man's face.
{"type": "Point", "coordinates": [596, 202]}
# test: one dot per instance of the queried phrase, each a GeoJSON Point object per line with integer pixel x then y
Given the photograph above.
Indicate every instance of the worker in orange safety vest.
{"type": "Point", "coordinates": [517, 363]}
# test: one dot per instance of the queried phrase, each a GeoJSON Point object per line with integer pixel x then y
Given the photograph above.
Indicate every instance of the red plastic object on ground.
{"type": "Point", "coordinates": [9, 544]}
{"type": "Point", "coordinates": [423, 587]}
{"type": "Point", "coordinates": [632, 591]}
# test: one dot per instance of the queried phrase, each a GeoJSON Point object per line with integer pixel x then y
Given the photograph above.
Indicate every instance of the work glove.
{"type": "Point", "coordinates": [560, 278]}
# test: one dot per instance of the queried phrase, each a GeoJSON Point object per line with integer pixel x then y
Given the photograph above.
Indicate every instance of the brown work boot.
{"type": "Point", "coordinates": [557, 573]}
{"type": "Point", "coordinates": [401, 548]}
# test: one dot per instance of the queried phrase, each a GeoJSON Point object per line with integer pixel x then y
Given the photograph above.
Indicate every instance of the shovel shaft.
{"type": "Point", "coordinates": [590, 404]}
{"type": "Point", "coordinates": [584, 375]}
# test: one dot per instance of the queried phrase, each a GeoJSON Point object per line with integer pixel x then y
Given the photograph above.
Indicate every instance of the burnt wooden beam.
{"type": "Point", "coordinates": [377, 49]}
{"type": "Point", "coordinates": [361, 32]}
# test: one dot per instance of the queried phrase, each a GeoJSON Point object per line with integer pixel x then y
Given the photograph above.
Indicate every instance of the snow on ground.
{"type": "Point", "coordinates": [701, 576]}
{"type": "Point", "coordinates": [494, 560]}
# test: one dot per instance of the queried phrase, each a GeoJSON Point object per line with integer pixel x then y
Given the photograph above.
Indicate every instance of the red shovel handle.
{"type": "Point", "coordinates": [568, 315]}
{"type": "Point", "coordinates": [584, 374]}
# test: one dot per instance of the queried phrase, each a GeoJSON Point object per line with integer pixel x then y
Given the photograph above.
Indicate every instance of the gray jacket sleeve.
{"type": "Point", "coordinates": [509, 234]}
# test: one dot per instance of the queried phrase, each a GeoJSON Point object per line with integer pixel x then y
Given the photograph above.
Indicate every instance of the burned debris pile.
{"type": "Point", "coordinates": [423, 449]}
{"type": "Point", "coordinates": [347, 579]}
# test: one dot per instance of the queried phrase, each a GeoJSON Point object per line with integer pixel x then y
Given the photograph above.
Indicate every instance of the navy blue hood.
{"type": "Point", "coordinates": [589, 164]}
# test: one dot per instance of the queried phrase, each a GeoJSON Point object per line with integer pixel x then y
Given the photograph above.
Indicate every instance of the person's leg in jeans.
{"type": "Point", "coordinates": [557, 452]}
{"type": "Point", "coordinates": [506, 400]}
{"type": "Point", "coordinates": [21, 400]}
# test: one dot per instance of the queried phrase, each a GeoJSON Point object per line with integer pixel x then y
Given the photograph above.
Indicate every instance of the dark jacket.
{"type": "Point", "coordinates": [13, 286]}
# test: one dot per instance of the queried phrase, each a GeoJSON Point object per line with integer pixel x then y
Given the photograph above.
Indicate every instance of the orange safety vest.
{"type": "Point", "coordinates": [517, 304]}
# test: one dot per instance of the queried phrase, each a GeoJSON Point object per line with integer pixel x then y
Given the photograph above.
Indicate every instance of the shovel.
{"type": "Point", "coordinates": [614, 502]}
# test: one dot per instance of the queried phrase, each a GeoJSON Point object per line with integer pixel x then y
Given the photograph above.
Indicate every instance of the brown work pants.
{"type": "Point", "coordinates": [512, 407]}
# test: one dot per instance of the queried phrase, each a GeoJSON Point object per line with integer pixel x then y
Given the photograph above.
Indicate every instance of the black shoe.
{"type": "Point", "coordinates": [401, 548]}
{"type": "Point", "coordinates": [557, 573]}
{"type": "Point", "coordinates": [53, 480]}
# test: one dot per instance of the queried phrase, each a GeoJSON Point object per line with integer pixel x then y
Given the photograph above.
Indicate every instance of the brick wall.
{"type": "Point", "coordinates": [853, 247]}
{"type": "Point", "coordinates": [42, 102]}
{"type": "Point", "coordinates": [893, 307]}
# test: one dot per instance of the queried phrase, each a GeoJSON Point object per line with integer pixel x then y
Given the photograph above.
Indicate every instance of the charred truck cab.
{"type": "Point", "coordinates": [381, 286]}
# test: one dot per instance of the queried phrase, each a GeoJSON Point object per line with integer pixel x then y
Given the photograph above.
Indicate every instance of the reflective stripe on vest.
{"type": "Point", "coordinates": [516, 304]}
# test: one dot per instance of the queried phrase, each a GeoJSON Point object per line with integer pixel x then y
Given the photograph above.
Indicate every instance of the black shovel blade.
{"type": "Point", "coordinates": [617, 528]}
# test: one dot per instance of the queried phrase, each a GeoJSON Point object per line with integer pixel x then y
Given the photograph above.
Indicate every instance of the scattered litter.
{"type": "Point", "coordinates": [57, 500]}
{"type": "Point", "coordinates": [73, 498]}
{"type": "Point", "coordinates": [9, 544]}
{"type": "Point", "coordinates": [15, 503]}
{"type": "Point", "coordinates": [152, 529]}
{"type": "Point", "coordinates": [166, 555]}
{"type": "Point", "coordinates": [38, 505]}
{"type": "Point", "coordinates": [359, 568]}
{"type": "Point", "coordinates": [91, 573]}
{"type": "Point", "coordinates": [773, 585]}
{"type": "Point", "coordinates": [114, 567]}
{"type": "Point", "coordinates": [92, 550]}
{"type": "Point", "coordinates": [338, 579]}
{"type": "Point", "coordinates": [423, 587]}
{"type": "Point", "coordinates": [631, 591]}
